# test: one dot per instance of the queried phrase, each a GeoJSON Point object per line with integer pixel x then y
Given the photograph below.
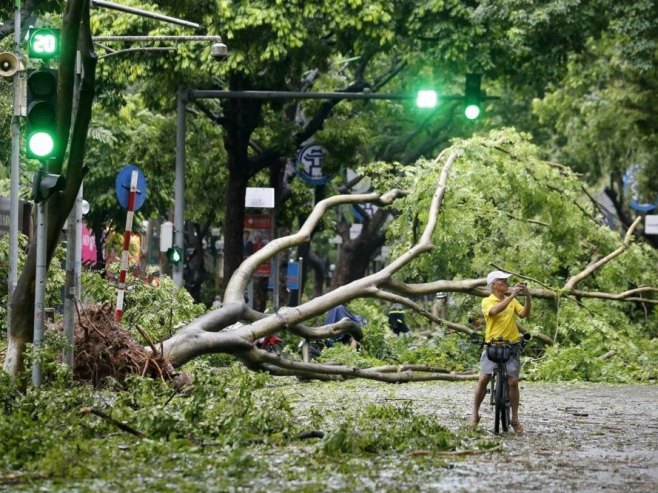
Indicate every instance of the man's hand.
{"type": "Point", "coordinates": [519, 288]}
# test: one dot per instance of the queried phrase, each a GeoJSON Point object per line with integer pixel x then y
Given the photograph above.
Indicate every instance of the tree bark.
{"type": "Point", "coordinates": [76, 26]}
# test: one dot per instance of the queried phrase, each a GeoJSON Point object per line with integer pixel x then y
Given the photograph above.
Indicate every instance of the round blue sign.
{"type": "Point", "coordinates": [309, 165]}
{"type": "Point", "coordinates": [123, 186]}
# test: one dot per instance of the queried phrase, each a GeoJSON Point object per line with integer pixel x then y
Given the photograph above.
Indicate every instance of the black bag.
{"type": "Point", "coordinates": [499, 354]}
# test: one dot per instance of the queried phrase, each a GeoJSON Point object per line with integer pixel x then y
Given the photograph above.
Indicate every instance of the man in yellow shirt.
{"type": "Point", "coordinates": [500, 311]}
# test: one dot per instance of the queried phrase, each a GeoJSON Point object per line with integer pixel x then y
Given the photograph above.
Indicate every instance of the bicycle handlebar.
{"type": "Point", "coordinates": [479, 340]}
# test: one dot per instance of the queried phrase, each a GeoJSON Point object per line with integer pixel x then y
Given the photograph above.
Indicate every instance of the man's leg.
{"type": "Point", "coordinates": [513, 383]}
{"type": "Point", "coordinates": [480, 392]}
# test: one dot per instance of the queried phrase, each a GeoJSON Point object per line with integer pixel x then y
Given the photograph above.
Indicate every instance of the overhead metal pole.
{"type": "Point", "coordinates": [15, 169]}
{"type": "Point", "coordinates": [219, 94]}
{"type": "Point", "coordinates": [144, 13]}
{"type": "Point", "coordinates": [156, 38]}
{"type": "Point", "coordinates": [179, 183]}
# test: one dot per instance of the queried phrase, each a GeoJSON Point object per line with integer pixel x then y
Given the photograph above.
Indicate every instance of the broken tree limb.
{"type": "Point", "coordinates": [572, 281]}
{"type": "Point", "coordinates": [112, 421]}
{"type": "Point", "coordinates": [394, 298]}
{"type": "Point", "coordinates": [256, 355]}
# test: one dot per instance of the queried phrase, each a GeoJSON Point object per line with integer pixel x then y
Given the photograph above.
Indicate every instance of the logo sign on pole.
{"type": "Point", "coordinates": [651, 224]}
{"type": "Point", "coordinates": [309, 164]}
{"type": "Point", "coordinates": [123, 186]}
{"type": "Point", "coordinates": [292, 277]}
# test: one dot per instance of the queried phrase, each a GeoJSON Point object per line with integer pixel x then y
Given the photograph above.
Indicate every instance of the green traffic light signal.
{"type": "Point", "coordinates": [472, 111]}
{"type": "Point", "coordinates": [41, 122]}
{"type": "Point", "coordinates": [175, 255]}
{"type": "Point", "coordinates": [472, 96]}
{"type": "Point", "coordinates": [426, 98]}
{"type": "Point", "coordinates": [43, 43]}
{"type": "Point", "coordinates": [40, 144]}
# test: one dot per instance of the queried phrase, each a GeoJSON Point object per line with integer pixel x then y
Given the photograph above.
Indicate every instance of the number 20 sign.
{"type": "Point", "coordinates": [43, 42]}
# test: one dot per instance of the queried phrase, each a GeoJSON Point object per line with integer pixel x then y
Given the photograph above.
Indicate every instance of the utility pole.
{"type": "Point", "coordinates": [179, 184]}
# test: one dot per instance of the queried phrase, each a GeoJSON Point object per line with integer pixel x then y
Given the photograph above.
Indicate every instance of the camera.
{"type": "Point", "coordinates": [219, 51]}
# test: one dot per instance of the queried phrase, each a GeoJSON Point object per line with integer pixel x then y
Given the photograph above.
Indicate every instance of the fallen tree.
{"type": "Point", "coordinates": [235, 328]}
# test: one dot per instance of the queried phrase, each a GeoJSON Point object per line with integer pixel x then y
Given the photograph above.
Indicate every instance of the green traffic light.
{"type": "Point", "coordinates": [41, 113]}
{"type": "Point", "coordinates": [426, 98]}
{"type": "Point", "coordinates": [40, 144]}
{"type": "Point", "coordinates": [175, 255]}
{"type": "Point", "coordinates": [472, 111]}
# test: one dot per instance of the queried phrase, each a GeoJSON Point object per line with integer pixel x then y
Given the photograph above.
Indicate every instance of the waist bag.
{"type": "Point", "coordinates": [499, 354]}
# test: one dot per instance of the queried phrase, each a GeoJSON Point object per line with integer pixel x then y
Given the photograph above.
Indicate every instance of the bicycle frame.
{"type": "Point", "coordinates": [500, 402]}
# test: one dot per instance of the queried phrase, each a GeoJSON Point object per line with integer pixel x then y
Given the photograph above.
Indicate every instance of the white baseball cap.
{"type": "Point", "coordinates": [496, 274]}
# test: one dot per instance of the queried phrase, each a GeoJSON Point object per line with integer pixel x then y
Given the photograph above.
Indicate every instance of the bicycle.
{"type": "Point", "coordinates": [500, 351]}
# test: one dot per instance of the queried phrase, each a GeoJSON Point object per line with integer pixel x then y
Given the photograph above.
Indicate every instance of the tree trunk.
{"type": "Point", "coordinates": [355, 255]}
{"type": "Point", "coordinates": [242, 117]}
{"type": "Point", "coordinates": [75, 36]}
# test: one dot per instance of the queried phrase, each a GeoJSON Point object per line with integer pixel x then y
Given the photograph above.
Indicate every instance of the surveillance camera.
{"type": "Point", "coordinates": [219, 51]}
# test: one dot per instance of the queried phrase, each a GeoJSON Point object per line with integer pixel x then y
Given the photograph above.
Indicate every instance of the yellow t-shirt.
{"type": "Point", "coordinates": [504, 324]}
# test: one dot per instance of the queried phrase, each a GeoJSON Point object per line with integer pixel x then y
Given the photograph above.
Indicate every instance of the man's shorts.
{"type": "Point", "coordinates": [513, 364]}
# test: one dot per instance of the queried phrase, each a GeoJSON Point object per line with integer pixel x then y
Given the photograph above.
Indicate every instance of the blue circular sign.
{"type": "Point", "coordinates": [123, 186]}
{"type": "Point", "coordinates": [309, 164]}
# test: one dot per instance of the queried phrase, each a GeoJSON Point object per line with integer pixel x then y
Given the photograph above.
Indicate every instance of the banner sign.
{"type": "Point", "coordinates": [89, 255]}
{"type": "Point", "coordinates": [257, 234]}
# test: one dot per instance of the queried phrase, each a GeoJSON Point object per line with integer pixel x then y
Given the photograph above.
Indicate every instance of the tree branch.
{"type": "Point", "coordinates": [405, 375]}
{"type": "Point", "coordinates": [572, 281]}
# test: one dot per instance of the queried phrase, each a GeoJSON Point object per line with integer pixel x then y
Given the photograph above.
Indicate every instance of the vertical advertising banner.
{"type": "Point", "coordinates": [257, 234]}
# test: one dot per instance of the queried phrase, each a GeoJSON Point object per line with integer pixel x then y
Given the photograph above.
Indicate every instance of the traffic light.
{"type": "Point", "coordinates": [41, 132]}
{"type": "Point", "coordinates": [175, 255]}
{"type": "Point", "coordinates": [43, 43]}
{"type": "Point", "coordinates": [426, 98]}
{"type": "Point", "coordinates": [45, 184]}
{"type": "Point", "coordinates": [472, 96]}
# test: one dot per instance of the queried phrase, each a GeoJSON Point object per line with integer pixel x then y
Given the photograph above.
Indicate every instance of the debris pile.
{"type": "Point", "coordinates": [104, 350]}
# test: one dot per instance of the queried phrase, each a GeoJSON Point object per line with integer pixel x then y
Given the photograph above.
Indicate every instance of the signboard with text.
{"type": "Point", "coordinates": [257, 234]}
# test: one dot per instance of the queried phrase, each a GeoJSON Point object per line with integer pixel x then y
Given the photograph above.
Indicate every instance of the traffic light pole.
{"type": "Point", "coordinates": [72, 279]}
{"type": "Point", "coordinates": [39, 289]}
{"type": "Point", "coordinates": [179, 183]}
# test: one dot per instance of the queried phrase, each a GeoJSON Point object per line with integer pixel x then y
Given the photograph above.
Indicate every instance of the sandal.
{"type": "Point", "coordinates": [517, 427]}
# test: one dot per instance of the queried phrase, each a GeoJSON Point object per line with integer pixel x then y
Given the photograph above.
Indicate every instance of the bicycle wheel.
{"type": "Point", "coordinates": [504, 416]}
{"type": "Point", "coordinates": [508, 410]}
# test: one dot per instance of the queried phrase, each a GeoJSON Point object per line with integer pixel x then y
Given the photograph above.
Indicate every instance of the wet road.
{"type": "Point", "coordinates": [581, 437]}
